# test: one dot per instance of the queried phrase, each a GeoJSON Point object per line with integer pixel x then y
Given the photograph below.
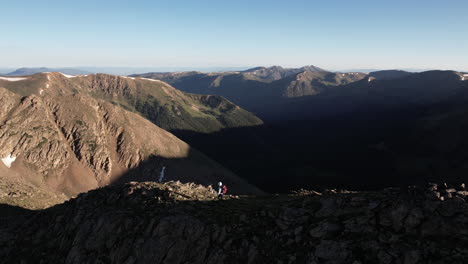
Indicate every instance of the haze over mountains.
{"type": "Point", "coordinates": [29, 71]}
{"type": "Point", "coordinates": [110, 70]}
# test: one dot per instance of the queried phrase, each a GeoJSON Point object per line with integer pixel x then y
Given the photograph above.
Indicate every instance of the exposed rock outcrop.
{"type": "Point", "coordinates": [185, 223]}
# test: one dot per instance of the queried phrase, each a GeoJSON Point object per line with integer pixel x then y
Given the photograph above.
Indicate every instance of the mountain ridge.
{"type": "Point", "coordinates": [164, 105]}
{"type": "Point", "coordinates": [254, 87]}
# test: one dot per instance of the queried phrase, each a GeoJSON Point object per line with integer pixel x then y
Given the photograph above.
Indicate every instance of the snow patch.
{"type": "Point", "coordinates": [13, 79]}
{"type": "Point", "coordinates": [48, 79]}
{"type": "Point", "coordinates": [68, 76]}
{"type": "Point", "coordinates": [126, 77]}
{"type": "Point", "coordinates": [152, 80]}
{"type": "Point", "coordinates": [8, 160]}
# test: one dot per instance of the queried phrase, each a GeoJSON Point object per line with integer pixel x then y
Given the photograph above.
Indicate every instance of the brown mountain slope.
{"type": "Point", "coordinates": [74, 143]}
{"type": "Point", "coordinates": [159, 102]}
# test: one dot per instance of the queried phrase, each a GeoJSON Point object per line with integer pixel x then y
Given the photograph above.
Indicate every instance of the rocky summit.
{"type": "Point", "coordinates": [185, 223]}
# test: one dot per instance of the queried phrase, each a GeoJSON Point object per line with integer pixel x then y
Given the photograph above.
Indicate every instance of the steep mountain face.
{"type": "Point", "coordinates": [74, 143]}
{"type": "Point", "coordinates": [30, 71]}
{"type": "Point", "coordinates": [177, 223]}
{"type": "Point", "coordinates": [165, 106]}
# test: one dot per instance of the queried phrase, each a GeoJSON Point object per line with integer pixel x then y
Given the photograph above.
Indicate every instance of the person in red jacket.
{"type": "Point", "coordinates": [222, 190]}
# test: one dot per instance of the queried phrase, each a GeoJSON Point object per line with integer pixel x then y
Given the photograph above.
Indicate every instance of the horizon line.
{"type": "Point", "coordinates": [220, 68]}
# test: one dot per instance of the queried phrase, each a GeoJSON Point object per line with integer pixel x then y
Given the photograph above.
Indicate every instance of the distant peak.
{"type": "Point", "coordinates": [30, 71]}
{"type": "Point", "coordinates": [311, 68]}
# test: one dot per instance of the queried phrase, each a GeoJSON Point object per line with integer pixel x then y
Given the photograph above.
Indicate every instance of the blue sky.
{"type": "Point", "coordinates": [330, 34]}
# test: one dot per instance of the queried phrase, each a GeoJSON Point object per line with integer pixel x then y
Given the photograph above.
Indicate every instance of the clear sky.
{"type": "Point", "coordinates": [331, 34]}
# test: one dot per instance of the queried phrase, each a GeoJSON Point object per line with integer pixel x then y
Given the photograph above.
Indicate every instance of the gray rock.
{"type": "Point", "coordinates": [329, 206]}
{"type": "Point", "coordinates": [414, 218]}
{"type": "Point", "coordinates": [384, 257]}
{"type": "Point", "coordinates": [325, 229]}
{"type": "Point", "coordinates": [412, 257]}
{"type": "Point", "coordinates": [333, 251]}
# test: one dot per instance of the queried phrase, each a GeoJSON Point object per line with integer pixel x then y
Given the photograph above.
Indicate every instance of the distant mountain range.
{"type": "Point", "coordinates": [135, 70]}
{"type": "Point", "coordinates": [268, 91]}
{"type": "Point", "coordinates": [111, 70]}
{"type": "Point", "coordinates": [258, 88]}
{"type": "Point", "coordinates": [380, 128]}
{"type": "Point", "coordinates": [29, 71]}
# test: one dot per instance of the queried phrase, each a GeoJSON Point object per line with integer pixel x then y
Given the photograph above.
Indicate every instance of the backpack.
{"type": "Point", "coordinates": [224, 189]}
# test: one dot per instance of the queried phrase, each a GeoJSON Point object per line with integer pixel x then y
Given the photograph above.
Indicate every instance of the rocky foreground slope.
{"type": "Point", "coordinates": [185, 223]}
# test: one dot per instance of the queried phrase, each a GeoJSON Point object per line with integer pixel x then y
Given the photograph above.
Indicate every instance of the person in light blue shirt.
{"type": "Point", "coordinates": [161, 174]}
{"type": "Point", "coordinates": [220, 190]}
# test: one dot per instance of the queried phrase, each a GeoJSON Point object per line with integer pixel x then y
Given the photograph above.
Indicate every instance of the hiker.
{"type": "Point", "coordinates": [222, 190]}
{"type": "Point", "coordinates": [161, 174]}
